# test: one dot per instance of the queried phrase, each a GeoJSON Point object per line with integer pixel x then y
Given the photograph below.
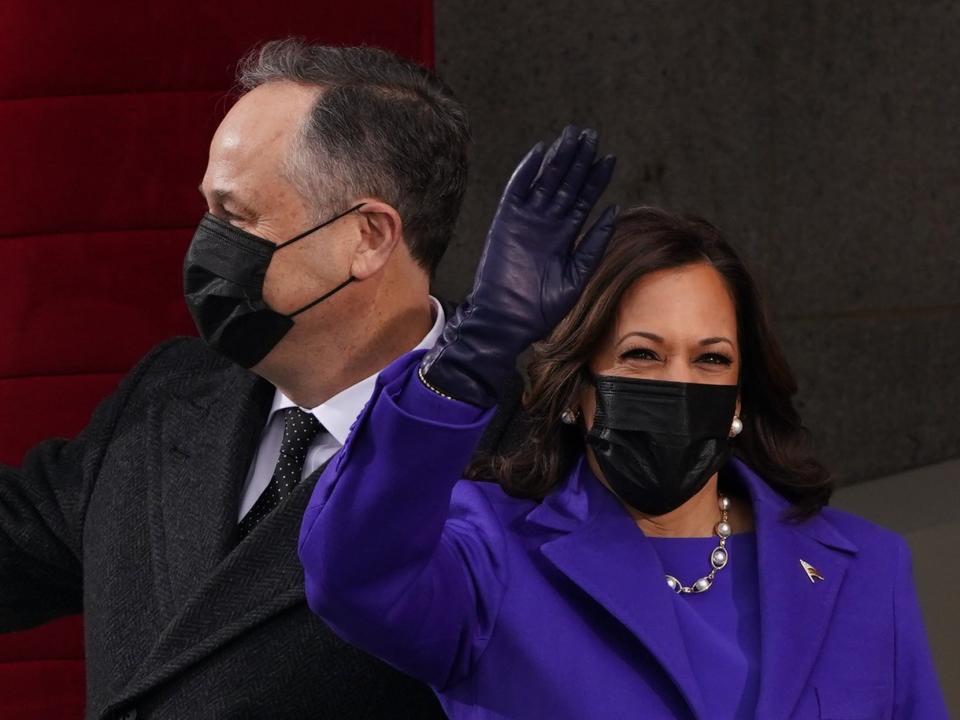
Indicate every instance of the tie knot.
{"type": "Point", "coordinates": [299, 430]}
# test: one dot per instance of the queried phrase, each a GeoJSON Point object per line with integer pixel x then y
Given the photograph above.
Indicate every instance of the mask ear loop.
{"type": "Point", "coordinates": [320, 299]}
{"type": "Point", "coordinates": [321, 225]}
{"type": "Point", "coordinates": [339, 287]}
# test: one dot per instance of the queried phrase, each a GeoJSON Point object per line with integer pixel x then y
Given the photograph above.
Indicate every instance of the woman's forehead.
{"type": "Point", "coordinates": [691, 300]}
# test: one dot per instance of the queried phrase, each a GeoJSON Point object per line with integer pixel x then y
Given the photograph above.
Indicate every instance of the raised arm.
{"type": "Point", "coordinates": [400, 558]}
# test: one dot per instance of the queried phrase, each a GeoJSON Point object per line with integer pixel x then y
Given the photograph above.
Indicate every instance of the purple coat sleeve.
{"type": "Point", "coordinates": [917, 692]}
{"type": "Point", "coordinates": [399, 558]}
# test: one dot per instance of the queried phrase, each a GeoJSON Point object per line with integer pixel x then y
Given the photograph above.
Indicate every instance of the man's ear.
{"type": "Point", "coordinates": [381, 229]}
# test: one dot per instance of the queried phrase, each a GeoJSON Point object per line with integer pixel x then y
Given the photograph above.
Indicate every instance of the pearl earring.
{"type": "Point", "coordinates": [736, 427]}
{"type": "Point", "coordinates": [569, 417]}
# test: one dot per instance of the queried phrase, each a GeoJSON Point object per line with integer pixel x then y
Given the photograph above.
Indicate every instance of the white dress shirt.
{"type": "Point", "coordinates": [336, 415]}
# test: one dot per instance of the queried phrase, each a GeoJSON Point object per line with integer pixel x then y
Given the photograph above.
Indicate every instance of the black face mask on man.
{"type": "Point", "coordinates": [223, 276]}
{"type": "Point", "coordinates": [658, 442]}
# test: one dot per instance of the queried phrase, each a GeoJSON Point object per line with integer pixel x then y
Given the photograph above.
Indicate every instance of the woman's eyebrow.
{"type": "Point", "coordinates": [641, 333]}
{"type": "Point", "coordinates": [716, 340]}
{"type": "Point", "coordinates": [656, 338]}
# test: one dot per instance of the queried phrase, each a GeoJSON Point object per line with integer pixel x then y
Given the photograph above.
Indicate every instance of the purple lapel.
{"type": "Point", "coordinates": [606, 554]}
{"type": "Point", "coordinates": [795, 611]}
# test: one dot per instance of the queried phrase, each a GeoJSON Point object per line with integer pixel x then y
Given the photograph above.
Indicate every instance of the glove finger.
{"type": "Point", "coordinates": [555, 165]}
{"type": "Point", "coordinates": [549, 156]}
{"type": "Point", "coordinates": [590, 251]}
{"type": "Point", "coordinates": [555, 145]}
{"type": "Point", "coordinates": [600, 175]}
{"type": "Point", "coordinates": [578, 173]}
{"type": "Point", "coordinates": [518, 186]}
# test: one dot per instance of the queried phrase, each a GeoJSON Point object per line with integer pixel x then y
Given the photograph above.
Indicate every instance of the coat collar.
{"type": "Point", "coordinates": [601, 549]}
{"type": "Point", "coordinates": [208, 427]}
{"type": "Point", "coordinates": [209, 587]}
{"type": "Point", "coordinates": [795, 611]}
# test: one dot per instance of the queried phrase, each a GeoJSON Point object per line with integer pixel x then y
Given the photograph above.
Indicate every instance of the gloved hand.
{"type": "Point", "coordinates": [531, 271]}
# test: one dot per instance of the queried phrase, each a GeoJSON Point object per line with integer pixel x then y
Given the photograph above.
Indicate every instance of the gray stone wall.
{"type": "Point", "coordinates": [822, 136]}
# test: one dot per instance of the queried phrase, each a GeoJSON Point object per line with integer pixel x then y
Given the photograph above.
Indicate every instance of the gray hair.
{"type": "Point", "coordinates": [382, 127]}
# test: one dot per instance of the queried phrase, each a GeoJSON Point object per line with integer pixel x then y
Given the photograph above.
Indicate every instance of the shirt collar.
{"type": "Point", "coordinates": [339, 412]}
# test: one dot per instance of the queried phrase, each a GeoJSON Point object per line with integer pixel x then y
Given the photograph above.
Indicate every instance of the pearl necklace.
{"type": "Point", "coordinates": [718, 558]}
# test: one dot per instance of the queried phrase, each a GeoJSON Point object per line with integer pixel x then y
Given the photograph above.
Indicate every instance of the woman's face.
{"type": "Point", "coordinates": [678, 324]}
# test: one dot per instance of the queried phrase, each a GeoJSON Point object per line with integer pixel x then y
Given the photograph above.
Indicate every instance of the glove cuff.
{"type": "Point", "coordinates": [462, 373]}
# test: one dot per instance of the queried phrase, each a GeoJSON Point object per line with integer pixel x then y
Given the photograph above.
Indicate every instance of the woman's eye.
{"type": "Point", "coordinates": [639, 354]}
{"type": "Point", "coordinates": [715, 359]}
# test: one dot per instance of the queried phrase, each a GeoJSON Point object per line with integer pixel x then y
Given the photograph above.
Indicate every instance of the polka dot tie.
{"type": "Point", "coordinates": [299, 430]}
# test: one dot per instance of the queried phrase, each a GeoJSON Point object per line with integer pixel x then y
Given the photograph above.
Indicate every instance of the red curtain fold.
{"type": "Point", "coordinates": [106, 112]}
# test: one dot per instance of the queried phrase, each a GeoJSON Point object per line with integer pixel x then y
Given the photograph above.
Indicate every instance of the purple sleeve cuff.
{"type": "Point", "coordinates": [420, 401]}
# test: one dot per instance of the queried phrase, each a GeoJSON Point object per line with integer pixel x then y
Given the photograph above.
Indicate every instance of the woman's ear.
{"type": "Point", "coordinates": [381, 229]}
{"type": "Point", "coordinates": [736, 427]}
{"type": "Point", "coordinates": [587, 404]}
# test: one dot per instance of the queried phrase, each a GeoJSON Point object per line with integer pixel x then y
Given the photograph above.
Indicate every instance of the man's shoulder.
{"type": "Point", "coordinates": [177, 363]}
{"type": "Point", "coordinates": [182, 353]}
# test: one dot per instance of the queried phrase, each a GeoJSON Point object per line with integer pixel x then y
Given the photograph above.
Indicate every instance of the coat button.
{"type": "Point", "coordinates": [129, 715]}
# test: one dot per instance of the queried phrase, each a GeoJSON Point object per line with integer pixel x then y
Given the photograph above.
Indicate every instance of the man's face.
{"type": "Point", "coordinates": [245, 185]}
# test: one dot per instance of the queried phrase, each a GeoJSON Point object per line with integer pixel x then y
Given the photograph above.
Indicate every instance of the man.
{"type": "Point", "coordinates": [171, 521]}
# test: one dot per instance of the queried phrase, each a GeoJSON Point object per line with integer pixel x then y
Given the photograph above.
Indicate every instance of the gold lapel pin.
{"type": "Point", "coordinates": [811, 571]}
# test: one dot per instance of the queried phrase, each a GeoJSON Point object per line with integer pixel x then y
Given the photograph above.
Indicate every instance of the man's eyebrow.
{"type": "Point", "coordinates": [225, 196]}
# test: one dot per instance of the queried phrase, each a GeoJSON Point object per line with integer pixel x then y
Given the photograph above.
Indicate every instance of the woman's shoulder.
{"type": "Point", "coordinates": [868, 537]}
{"type": "Point", "coordinates": [831, 525]}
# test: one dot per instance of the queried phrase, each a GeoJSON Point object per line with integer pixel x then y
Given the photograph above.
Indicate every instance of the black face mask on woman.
{"type": "Point", "coordinates": [223, 275]}
{"type": "Point", "coordinates": [659, 442]}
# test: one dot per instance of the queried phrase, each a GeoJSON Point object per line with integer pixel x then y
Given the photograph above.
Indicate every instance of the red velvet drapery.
{"type": "Point", "coordinates": [106, 110]}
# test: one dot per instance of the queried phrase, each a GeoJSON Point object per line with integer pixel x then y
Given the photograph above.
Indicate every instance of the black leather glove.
{"type": "Point", "coordinates": [532, 270]}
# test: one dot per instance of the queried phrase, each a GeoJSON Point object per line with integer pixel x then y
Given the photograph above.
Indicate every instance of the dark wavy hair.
{"type": "Point", "coordinates": [383, 126]}
{"type": "Point", "coordinates": [773, 441]}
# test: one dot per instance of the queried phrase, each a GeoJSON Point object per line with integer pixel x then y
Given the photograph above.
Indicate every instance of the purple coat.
{"type": "Point", "coordinates": [511, 608]}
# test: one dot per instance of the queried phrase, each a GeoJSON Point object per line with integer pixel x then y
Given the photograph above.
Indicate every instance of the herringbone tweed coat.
{"type": "Point", "coordinates": [134, 524]}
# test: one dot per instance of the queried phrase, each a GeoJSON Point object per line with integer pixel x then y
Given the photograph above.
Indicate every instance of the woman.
{"type": "Point", "coordinates": [658, 547]}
